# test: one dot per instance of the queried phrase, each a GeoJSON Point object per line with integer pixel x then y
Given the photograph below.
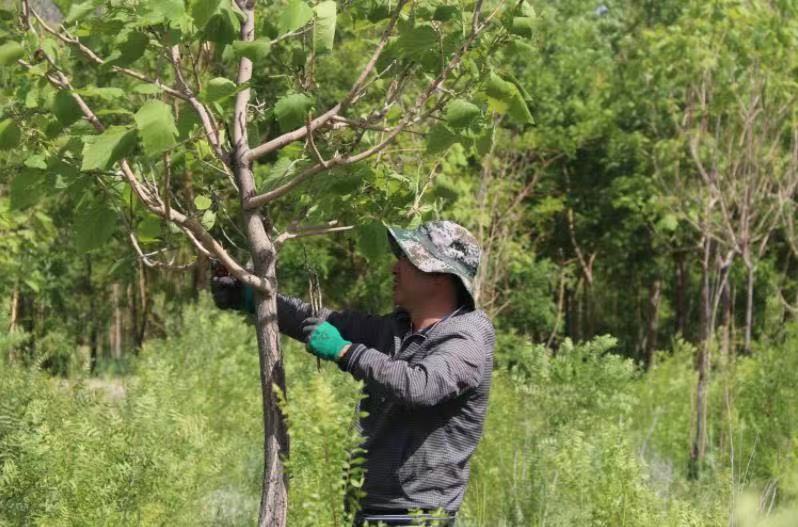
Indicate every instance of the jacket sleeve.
{"type": "Point", "coordinates": [454, 366]}
{"type": "Point", "coordinates": [354, 326]}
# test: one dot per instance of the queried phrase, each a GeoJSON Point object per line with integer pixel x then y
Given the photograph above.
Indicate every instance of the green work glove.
{"type": "Point", "coordinates": [323, 339]}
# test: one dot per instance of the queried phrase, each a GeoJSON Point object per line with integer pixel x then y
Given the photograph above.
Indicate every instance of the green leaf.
{"type": "Point", "coordinates": [255, 51]}
{"type": "Point", "coordinates": [484, 142]}
{"type": "Point", "coordinates": [668, 223]}
{"type": "Point", "coordinates": [10, 52]}
{"type": "Point", "coordinates": [291, 110]}
{"type": "Point", "coordinates": [169, 12]}
{"type": "Point", "coordinates": [523, 26]}
{"type": "Point", "coordinates": [65, 108]}
{"type": "Point", "coordinates": [208, 219]}
{"type": "Point", "coordinates": [101, 151]}
{"type": "Point", "coordinates": [218, 89]}
{"type": "Point", "coordinates": [372, 240]}
{"type": "Point", "coordinates": [32, 284]}
{"type": "Point", "coordinates": [9, 134]}
{"type": "Point", "coordinates": [324, 27]}
{"type": "Point", "coordinates": [149, 229]}
{"type": "Point", "coordinates": [202, 11]}
{"type": "Point", "coordinates": [224, 26]}
{"type": "Point", "coordinates": [444, 13]}
{"type": "Point", "coordinates": [129, 50]}
{"type": "Point", "coordinates": [36, 161]}
{"type": "Point", "coordinates": [146, 88]}
{"type": "Point", "coordinates": [440, 138]}
{"type": "Point", "coordinates": [94, 226]}
{"type": "Point", "coordinates": [418, 41]}
{"type": "Point", "coordinates": [505, 98]}
{"type": "Point", "coordinates": [295, 15]}
{"type": "Point", "coordinates": [78, 11]}
{"type": "Point", "coordinates": [461, 113]}
{"type": "Point", "coordinates": [186, 122]}
{"type": "Point", "coordinates": [106, 93]}
{"type": "Point", "coordinates": [202, 202]}
{"type": "Point", "coordinates": [27, 188]}
{"type": "Point", "coordinates": [156, 126]}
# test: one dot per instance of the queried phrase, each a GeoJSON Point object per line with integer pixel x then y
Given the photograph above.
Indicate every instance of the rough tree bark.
{"type": "Point", "coordinates": [274, 493]}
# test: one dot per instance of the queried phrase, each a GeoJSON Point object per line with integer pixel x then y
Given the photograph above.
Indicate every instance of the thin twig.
{"type": "Point", "coordinates": [316, 230]}
{"type": "Point", "coordinates": [93, 57]}
{"type": "Point", "coordinates": [154, 264]}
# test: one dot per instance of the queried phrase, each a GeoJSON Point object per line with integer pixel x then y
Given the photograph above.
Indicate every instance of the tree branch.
{"type": "Point", "coordinates": [338, 160]}
{"type": "Point", "coordinates": [315, 230]}
{"type": "Point", "coordinates": [155, 264]}
{"type": "Point", "coordinates": [196, 232]}
{"type": "Point", "coordinates": [343, 104]}
{"type": "Point", "coordinates": [93, 57]}
{"type": "Point", "coordinates": [209, 124]}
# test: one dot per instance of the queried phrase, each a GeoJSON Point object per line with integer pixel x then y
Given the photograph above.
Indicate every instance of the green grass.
{"type": "Point", "coordinates": [581, 438]}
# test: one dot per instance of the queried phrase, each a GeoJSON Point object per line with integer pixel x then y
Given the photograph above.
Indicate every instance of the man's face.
{"type": "Point", "coordinates": [410, 284]}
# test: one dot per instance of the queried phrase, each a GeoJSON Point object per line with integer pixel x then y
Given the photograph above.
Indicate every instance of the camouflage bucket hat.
{"type": "Point", "coordinates": [439, 247]}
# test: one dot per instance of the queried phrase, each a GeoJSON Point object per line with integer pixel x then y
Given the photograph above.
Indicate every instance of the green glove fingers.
{"type": "Point", "coordinates": [323, 339]}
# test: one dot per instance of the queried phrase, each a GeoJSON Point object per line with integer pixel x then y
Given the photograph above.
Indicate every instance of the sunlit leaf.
{"type": "Point", "coordinates": [293, 16]}
{"type": "Point", "coordinates": [101, 151]}
{"type": "Point", "coordinates": [255, 50]}
{"type": "Point", "coordinates": [202, 202]}
{"type": "Point", "coordinates": [505, 98]}
{"type": "Point", "coordinates": [461, 113]}
{"type": "Point", "coordinates": [218, 89]}
{"type": "Point", "coordinates": [291, 110]}
{"type": "Point", "coordinates": [10, 52]}
{"type": "Point", "coordinates": [324, 27]}
{"type": "Point", "coordinates": [202, 11]}
{"type": "Point", "coordinates": [156, 126]}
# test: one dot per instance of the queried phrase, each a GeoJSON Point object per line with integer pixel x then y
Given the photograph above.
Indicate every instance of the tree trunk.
{"type": "Point", "coordinates": [570, 322]}
{"type": "Point", "coordinates": [274, 494]}
{"type": "Point", "coordinates": [12, 322]}
{"type": "Point", "coordinates": [116, 323]}
{"type": "Point", "coordinates": [145, 305]}
{"type": "Point", "coordinates": [654, 292]}
{"type": "Point", "coordinates": [698, 447]}
{"type": "Point", "coordinates": [588, 309]}
{"type": "Point", "coordinates": [681, 286]}
{"type": "Point", "coordinates": [749, 308]}
{"type": "Point", "coordinates": [725, 322]}
{"type": "Point", "coordinates": [92, 321]}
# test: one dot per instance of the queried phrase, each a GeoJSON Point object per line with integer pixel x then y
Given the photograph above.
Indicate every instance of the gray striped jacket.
{"type": "Point", "coordinates": [426, 394]}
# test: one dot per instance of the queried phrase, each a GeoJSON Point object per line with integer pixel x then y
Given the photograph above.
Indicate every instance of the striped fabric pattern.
{"type": "Point", "coordinates": [426, 395]}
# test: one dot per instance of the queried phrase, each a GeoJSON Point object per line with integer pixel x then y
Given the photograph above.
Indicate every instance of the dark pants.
{"type": "Point", "coordinates": [402, 517]}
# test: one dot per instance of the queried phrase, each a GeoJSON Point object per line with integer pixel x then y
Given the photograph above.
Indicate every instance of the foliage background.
{"type": "Point", "coordinates": [126, 398]}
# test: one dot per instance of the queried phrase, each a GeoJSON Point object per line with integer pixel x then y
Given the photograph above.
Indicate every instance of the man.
{"type": "Point", "coordinates": [426, 368]}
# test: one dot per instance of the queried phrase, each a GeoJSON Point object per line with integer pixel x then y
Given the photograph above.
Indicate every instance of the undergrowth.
{"type": "Point", "coordinates": [574, 437]}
